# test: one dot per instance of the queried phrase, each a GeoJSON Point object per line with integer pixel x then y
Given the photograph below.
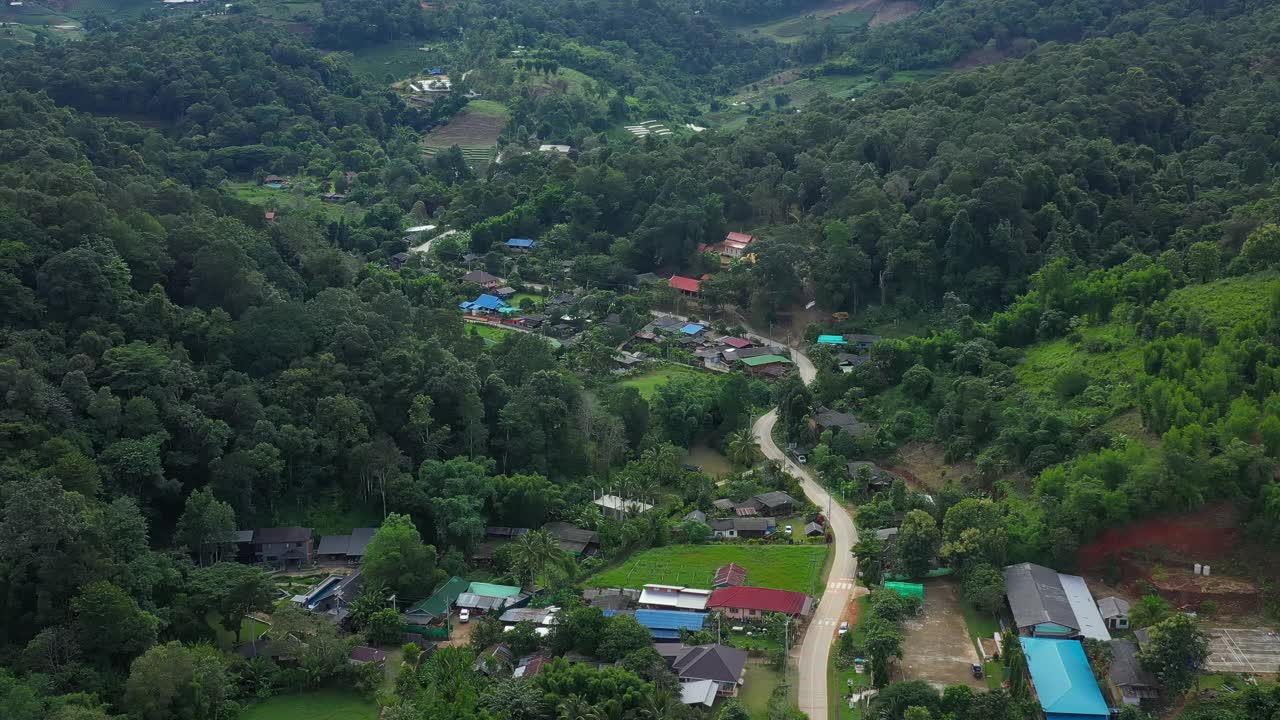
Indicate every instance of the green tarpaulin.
{"type": "Point", "coordinates": [906, 589]}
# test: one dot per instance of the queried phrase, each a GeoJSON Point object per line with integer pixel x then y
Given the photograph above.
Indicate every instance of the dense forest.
{"type": "Point", "coordinates": [176, 364]}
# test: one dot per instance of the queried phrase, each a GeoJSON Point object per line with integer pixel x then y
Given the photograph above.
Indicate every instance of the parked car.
{"type": "Point", "coordinates": [977, 672]}
{"type": "Point", "coordinates": [788, 529]}
{"type": "Point", "coordinates": [844, 627]}
{"type": "Point", "coordinates": [464, 616]}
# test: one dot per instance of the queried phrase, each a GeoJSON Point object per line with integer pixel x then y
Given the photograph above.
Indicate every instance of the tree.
{"type": "Point", "coordinates": [915, 712]}
{"type": "Point", "coordinates": [1149, 610]}
{"type": "Point", "coordinates": [233, 591]}
{"type": "Point", "coordinates": [396, 559]}
{"type": "Point", "coordinates": [984, 588]}
{"type": "Point", "coordinates": [111, 625]}
{"type": "Point", "coordinates": [732, 710]}
{"type": "Point", "coordinates": [207, 526]}
{"type": "Point", "coordinates": [1175, 653]}
{"type": "Point", "coordinates": [870, 554]}
{"type": "Point", "coordinates": [1100, 658]}
{"type": "Point", "coordinates": [741, 448]}
{"type": "Point", "coordinates": [622, 635]}
{"type": "Point", "coordinates": [917, 543]}
{"type": "Point", "coordinates": [883, 642]}
{"type": "Point", "coordinates": [383, 627]}
{"type": "Point", "coordinates": [532, 553]}
{"type": "Point", "coordinates": [175, 682]}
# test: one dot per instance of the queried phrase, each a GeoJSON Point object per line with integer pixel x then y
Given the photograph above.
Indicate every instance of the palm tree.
{"type": "Point", "coordinates": [575, 708]}
{"type": "Point", "coordinates": [741, 448]}
{"type": "Point", "coordinates": [532, 553]}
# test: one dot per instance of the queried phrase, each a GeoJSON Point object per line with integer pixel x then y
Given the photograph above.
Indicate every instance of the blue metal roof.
{"type": "Point", "coordinates": [669, 620]}
{"type": "Point", "coordinates": [484, 302]}
{"type": "Point", "coordinates": [831, 339]}
{"type": "Point", "coordinates": [520, 243]}
{"type": "Point", "coordinates": [1064, 683]}
{"type": "Point", "coordinates": [692, 329]}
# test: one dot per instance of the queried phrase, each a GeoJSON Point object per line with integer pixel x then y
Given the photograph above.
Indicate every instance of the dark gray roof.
{"type": "Point", "coordinates": [813, 528]}
{"type": "Point", "coordinates": [751, 352]}
{"type": "Point", "coordinates": [705, 662]}
{"type": "Point", "coordinates": [887, 534]}
{"type": "Point", "coordinates": [1036, 596]}
{"type": "Point", "coordinates": [1126, 669]}
{"type": "Point", "coordinates": [572, 533]}
{"type": "Point", "coordinates": [696, 515]}
{"type": "Point", "coordinates": [334, 545]}
{"type": "Point", "coordinates": [271, 536]}
{"type": "Point", "coordinates": [775, 498]}
{"type": "Point", "coordinates": [244, 536]}
{"type": "Point", "coordinates": [1113, 607]}
{"type": "Point", "coordinates": [826, 418]}
{"type": "Point", "coordinates": [741, 524]}
{"type": "Point", "coordinates": [862, 339]}
{"type": "Point", "coordinates": [360, 538]}
{"type": "Point", "coordinates": [723, 504]}
{"type": "Point", "coordinates": [480, 277]}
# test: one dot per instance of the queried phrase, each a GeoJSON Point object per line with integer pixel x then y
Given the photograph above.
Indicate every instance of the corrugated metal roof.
{"type": "Point", "coordinates": [670, 619]}
{"type": "Point", "coordinates": [1088, 620]}
{"type": "Point", "coordinates": [1062, 678]}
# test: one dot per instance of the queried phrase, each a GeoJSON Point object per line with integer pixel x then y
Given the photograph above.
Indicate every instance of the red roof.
{"type": "Point", "coordinates": [731, 574]}
{"type": "Point", "coordinates": [737, 237]}
{"type": "Point", "coordinates": [684, 284]}
{"type": "Point", "coordinates": [754, 598]}
{"type": "Point", "coordinates": [736, 342]}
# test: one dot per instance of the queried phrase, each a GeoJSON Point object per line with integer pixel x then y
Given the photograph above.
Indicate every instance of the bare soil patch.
{"type": "Point", "coordinates": [468, 129]}
{"type": "Point", "coordinates": [979, 57]}
{"type": "Point", "coordinates": [937, 648]}
{"type": "Point", "coordinates": [924, 467]}
{"type": "Point", "coordinates": [886, 11]}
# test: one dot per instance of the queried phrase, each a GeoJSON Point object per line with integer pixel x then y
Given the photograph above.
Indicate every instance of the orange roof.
{"type": "Point", "coordinates": [737, 237]}
{"type": "Point", "coordinates": [684, 284]}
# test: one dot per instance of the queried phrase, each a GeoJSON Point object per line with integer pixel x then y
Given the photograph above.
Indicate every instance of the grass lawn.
{"type": "Point", "coordinates": [784, 567]}
{"type": "Point", "coordinates": [708, 458]}
{"type": "Point", "coordinates": [838, 678]}
{"type": "Point", "coordinates": [1226, 302]}
{"type": "Point", "coordinates": [389, 63]}
{"type": "Point", "coordinates": [647, 383]}
{"type": "Point", "coordinates": [981, 624]}
{"type": "Point", "coordinates": [490, 333]}
{"type": "Point", "coordinates": [537, 299]}
{"type": "Point", "coordinates": [226, 640]}
{"type": "Point", "coordinates": [319, 705]}
{"type": "Point", "coordinates": [758, 688]}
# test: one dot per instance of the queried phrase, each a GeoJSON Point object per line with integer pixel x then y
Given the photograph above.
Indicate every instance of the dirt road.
{"type": "Point", "coordinates": [820, 637]}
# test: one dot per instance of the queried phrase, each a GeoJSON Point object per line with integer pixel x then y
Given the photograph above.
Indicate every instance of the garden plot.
{"type": "Point", "coordinates": [475, 130]}
{"type": "Point", "coordinates": [649, 127]}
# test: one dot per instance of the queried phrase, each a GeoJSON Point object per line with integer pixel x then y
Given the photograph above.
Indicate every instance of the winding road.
{"type": "Point", "coordinates": [815, 650]}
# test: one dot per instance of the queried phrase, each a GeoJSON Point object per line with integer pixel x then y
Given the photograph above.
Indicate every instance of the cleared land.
{"type": "Point", "coordinates": [758, 688]}
{"type": "Point", "coordinates": [937, 648]}
{"type": "Point", "coordinates": [648, 383]}
{"type": "Point", "coordinates": [475, 130]}
{"type": "Point", "coordinates": [1243, 651]}
{"type": "Point", "coordinates": [319, 705]}
{"type": "Point", "coordinates": [839, 17]}
{"type": "Point", "coordinates": [783, 567]}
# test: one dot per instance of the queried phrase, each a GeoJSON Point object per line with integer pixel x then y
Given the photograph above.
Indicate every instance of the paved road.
{"type": "Point", "coordinates": [815, 650]}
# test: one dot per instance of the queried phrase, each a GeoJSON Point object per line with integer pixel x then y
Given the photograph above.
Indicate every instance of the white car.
{"type": "Point", "coordinates": [844, 627]}
{"type": "Point", "coordinates": [788, 529]}
{"type": "Point", "coordinates": [464, 616]}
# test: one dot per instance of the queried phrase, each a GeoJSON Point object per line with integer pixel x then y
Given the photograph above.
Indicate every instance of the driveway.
{"type": "Point", "coordinates": [937, 648]}
{"type": "Point", "coordinates": [815, 649]}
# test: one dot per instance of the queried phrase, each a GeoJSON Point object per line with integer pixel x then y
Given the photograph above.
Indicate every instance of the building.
{"type": "Point", "coordinates": [537, 616]}
{"type": "Point", "coordinates": [831, 340]}
{"type": "Point", "coordinates": [530, 666]}
{"type": "Point", "coordinates": [722, 665]}
{"type": "Point", "coordinates": [813, 529]}
{"type": "Point", "coordinates": [848, 361]}
{"type": "Point", "coordinates": [772, 365]}
{"type": "Point", "coordinates": [699, 692]}
{"type": "Point", "coordinates": [1050, 604]}
{"type": "Point", "coordinates": [437, 607]}
{"type": "Point", "coordinates": [506, 293]}
{"type": "Point", "coordinates": [827, 419]}
{"type": "Point", "coordinates": [333, 197]}
{"type": "Point", "coordinates": [735, 245]}
{"type": "Point", "coordinates": [333, 596]}
{"type": "Point", "coordinates": [611, 598]}
{"type": "Point", "coordinates": [362, 654]}
{"type": "Point", "coordinates": [520, 244]}
{"type": "Point", "coordinates": [1115, 612]}
{"type": "Point", "coordinates": [862, 342]}
{"type": "Point", "coordinates": [487, 304]}
{"type": "Point", "coordinates": [273, 180]}
{"type": "Point", "coordinates": [1062, 679]}
{"type": "Point", "coordinates": [730, 575]}
{"type": "Point", "coordinates": [483, 279]}
{"type": "Point", "coordinates": [877, 477]}
{"type": "Point", "coordinates": [345, 549]}
{"type": "Point", "coordinates": [695, 515]}
{"type": "Point", "coordinates": [736, 343]}
{"type": "Point", "coordinates": [742, 527]}
{"type": "Point", "coordinates": [494, 660]}
{"type": "Point", "coordinates": [723, 504]}
{"type": "Point", "coordinates": [685, 285]}
{"type": "Point", "coordinates": [674, 597]}
{"type": "Point", "coordinates": [286, 548]}
{"type": "Point", "coordinates": [752, 602]}
{"type": "Point", "coordinates": [562, 149]}
{"type": "Point", "coordinates": [617, 508]}
{"type": "Point", "coordinates": [1130, 683]}
{"type": "Point", "coordinates": [776, 502]}
{"type": "Point", "coordinates": [574, 540]}
{"type": "Point", "coordinates": [666, 625]}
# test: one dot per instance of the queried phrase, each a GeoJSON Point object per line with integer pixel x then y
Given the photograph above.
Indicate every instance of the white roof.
{"type": "Point", "coordinates": [420, 228]}
{"type": "Point", "coordinates": [556, 148]}
{"type": "Point", "coordinates": [613, 502]}
{"type": "Point", "coordinates": [1081, 600]}
{"type": "Point", "coordinates": [675, 597]}
{"type": "Point", "coordinates": [698, 692]}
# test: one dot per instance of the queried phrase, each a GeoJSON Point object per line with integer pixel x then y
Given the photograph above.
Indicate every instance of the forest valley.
{"type": "Point", "coordinates": [177, 363]}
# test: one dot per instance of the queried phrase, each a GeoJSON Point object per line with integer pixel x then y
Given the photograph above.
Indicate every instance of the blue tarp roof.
{"type": "Point", "coordinates": [831, 339]}
{"type": "Point", "coordinates": [437, 71]}
{"type": "Point", "coordinates": [692, 329]}
{"type": "Point", "coordinates": [520, 242]}
{"type": "Point", "coordinates": [484, 302]}
{"type": "Point", "coordinates": [1064, 683]}
{"type": "Point", "coordinates": [670, 620]}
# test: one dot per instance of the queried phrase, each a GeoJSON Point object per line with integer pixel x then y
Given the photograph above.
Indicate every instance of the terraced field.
{"type": "Point", "coordinates": [475, 130]}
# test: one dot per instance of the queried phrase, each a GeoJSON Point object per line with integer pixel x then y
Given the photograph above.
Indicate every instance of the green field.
{"type": "Point", "coordinates": [783, 567]}
{"type": "Point", "coordinates": [389, 63]}
{"type": "Point", "coordinates": [226, 640]}
{"type": "Point", "coordinates": [474, 130]}
{"type": "Point", "coordinates": [492, 335]}
{"type": "Point", "coordinates": [648, 383]}
{"type": "Point", "coordinates": [757, 688]}
{"type": "Point", "coordinates": [793, 28]}
{"type": "Point", "coordinates": [1226, 302]}
{"type": "Point", "coordinates": [318, 705]}
{"type": "Point", "coordinates": [1114, 368]}
{"type": "Point", "coordinates": [289, 199]}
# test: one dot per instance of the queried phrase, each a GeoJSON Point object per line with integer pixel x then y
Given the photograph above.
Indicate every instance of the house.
{"type": "Point", "coordinates": [492, 590]}
{"type": "Point", "coordinates": [504, 292]}
{"type": "Point", "coordinates": [813, 529]}
{"type": "Point", "coordinates": [742, 527]}
{"type": "Point", "coordinates": [862, 342]}
{"type": "Point", "coordinates": [501, 531]}
{"type": "Point", "coordinates": [720, 664]}
{"type": "Point", "coordinates": [362, 654]}
{"type": "Point", "coordinates": [752, 602]}
{"type": "Point", "coordinates": [1130, 683]}
{"type": "Point", "coordinates": [533, 320]}
{"type": "Point", "coordinates": [730, 575]}
{"type": "Point", "coordinates": [520, 244]}
{"type": "Point", "coordinates": [286, 548]}
{"type": "Point", "coordinates": [494, 660]}
{"type": "Point", "coordinates": [848, 361]}
{"type": "Point", "coordinates": [530, 666]}
{"type": "Point", "coordinates": [723, 504]}
{"type": "Point", "coordinates": [562, 149]}
{"type": "Point", "coordinates": [771, 365]}
{"type": "Point", "coordinates": [776, 502]}
{"type": "Point", "coordinates": [746, 511]}
{"type": "Point", "coordinates": [699, 692]}
{"type": "Point", "coordinates": [1115, 612]}
{"type": "Point", "coordinates": [537, 616]}
{"type": "Point", "coordinates": [692, 329]}
{"type": "Point", "coordinates": [827, 419]}
{"type": "Point", "coordinates": [273, 180]}
{"type": "Point", "coordinates": [483, 279]}
{"type": "Point", "coordinates": [283, 652]}
{"type": "Point", "coordinates": [888, 538]}
{"type": "Point", "coordinates": [831, 340]}
{"type": "Point", "coordinates": [685, 285]}
{"type": "Point", "coordinates": [617, 508]}
{"type": "Point", "coordinates": [333, 197]}
{"type": "Point", "coordinates": [1046, 603]}
{"type": "Point", "coordinates": [486, 304]}
{"type": "Point", "coordinates": [735, 244]}
{"type": "Point", "coordinates": [437, 607]}
{"type": "Point", "coordinates": [666, 625]}
{"type": "Point", "coordinates": [574, 540]}
{"type": "Point", "coordinates": [1062, 679]}
{"type": "Point", "coordinates": [484, 597]}
{"type": "Point", "coordinates": [695, 515]}
{"type": "Point", "coordinates": [674, 597]}
{"type": "Point", "coordinates": [344, 549]}
{"type": "Point", "coordinates": [877, 477]}
{"type": "Point", "coordinates": [334, 595]}
{"type": "Point", "coordinates": [736, 343]}
{"type": "Point", "coordinates": [611, 598]}
{"type": "Point", "coordinates": [398, 260]}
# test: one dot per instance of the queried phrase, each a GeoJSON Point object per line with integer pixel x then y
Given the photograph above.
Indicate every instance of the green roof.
{"type": "Point", "coordinates": [491, 590]}
{"type": "Point", "coordinates": [831, 339]}
{"type": "Point", "coordinates": [438, 604]}
{"type": "Point", "coordinates": [765, 360]}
